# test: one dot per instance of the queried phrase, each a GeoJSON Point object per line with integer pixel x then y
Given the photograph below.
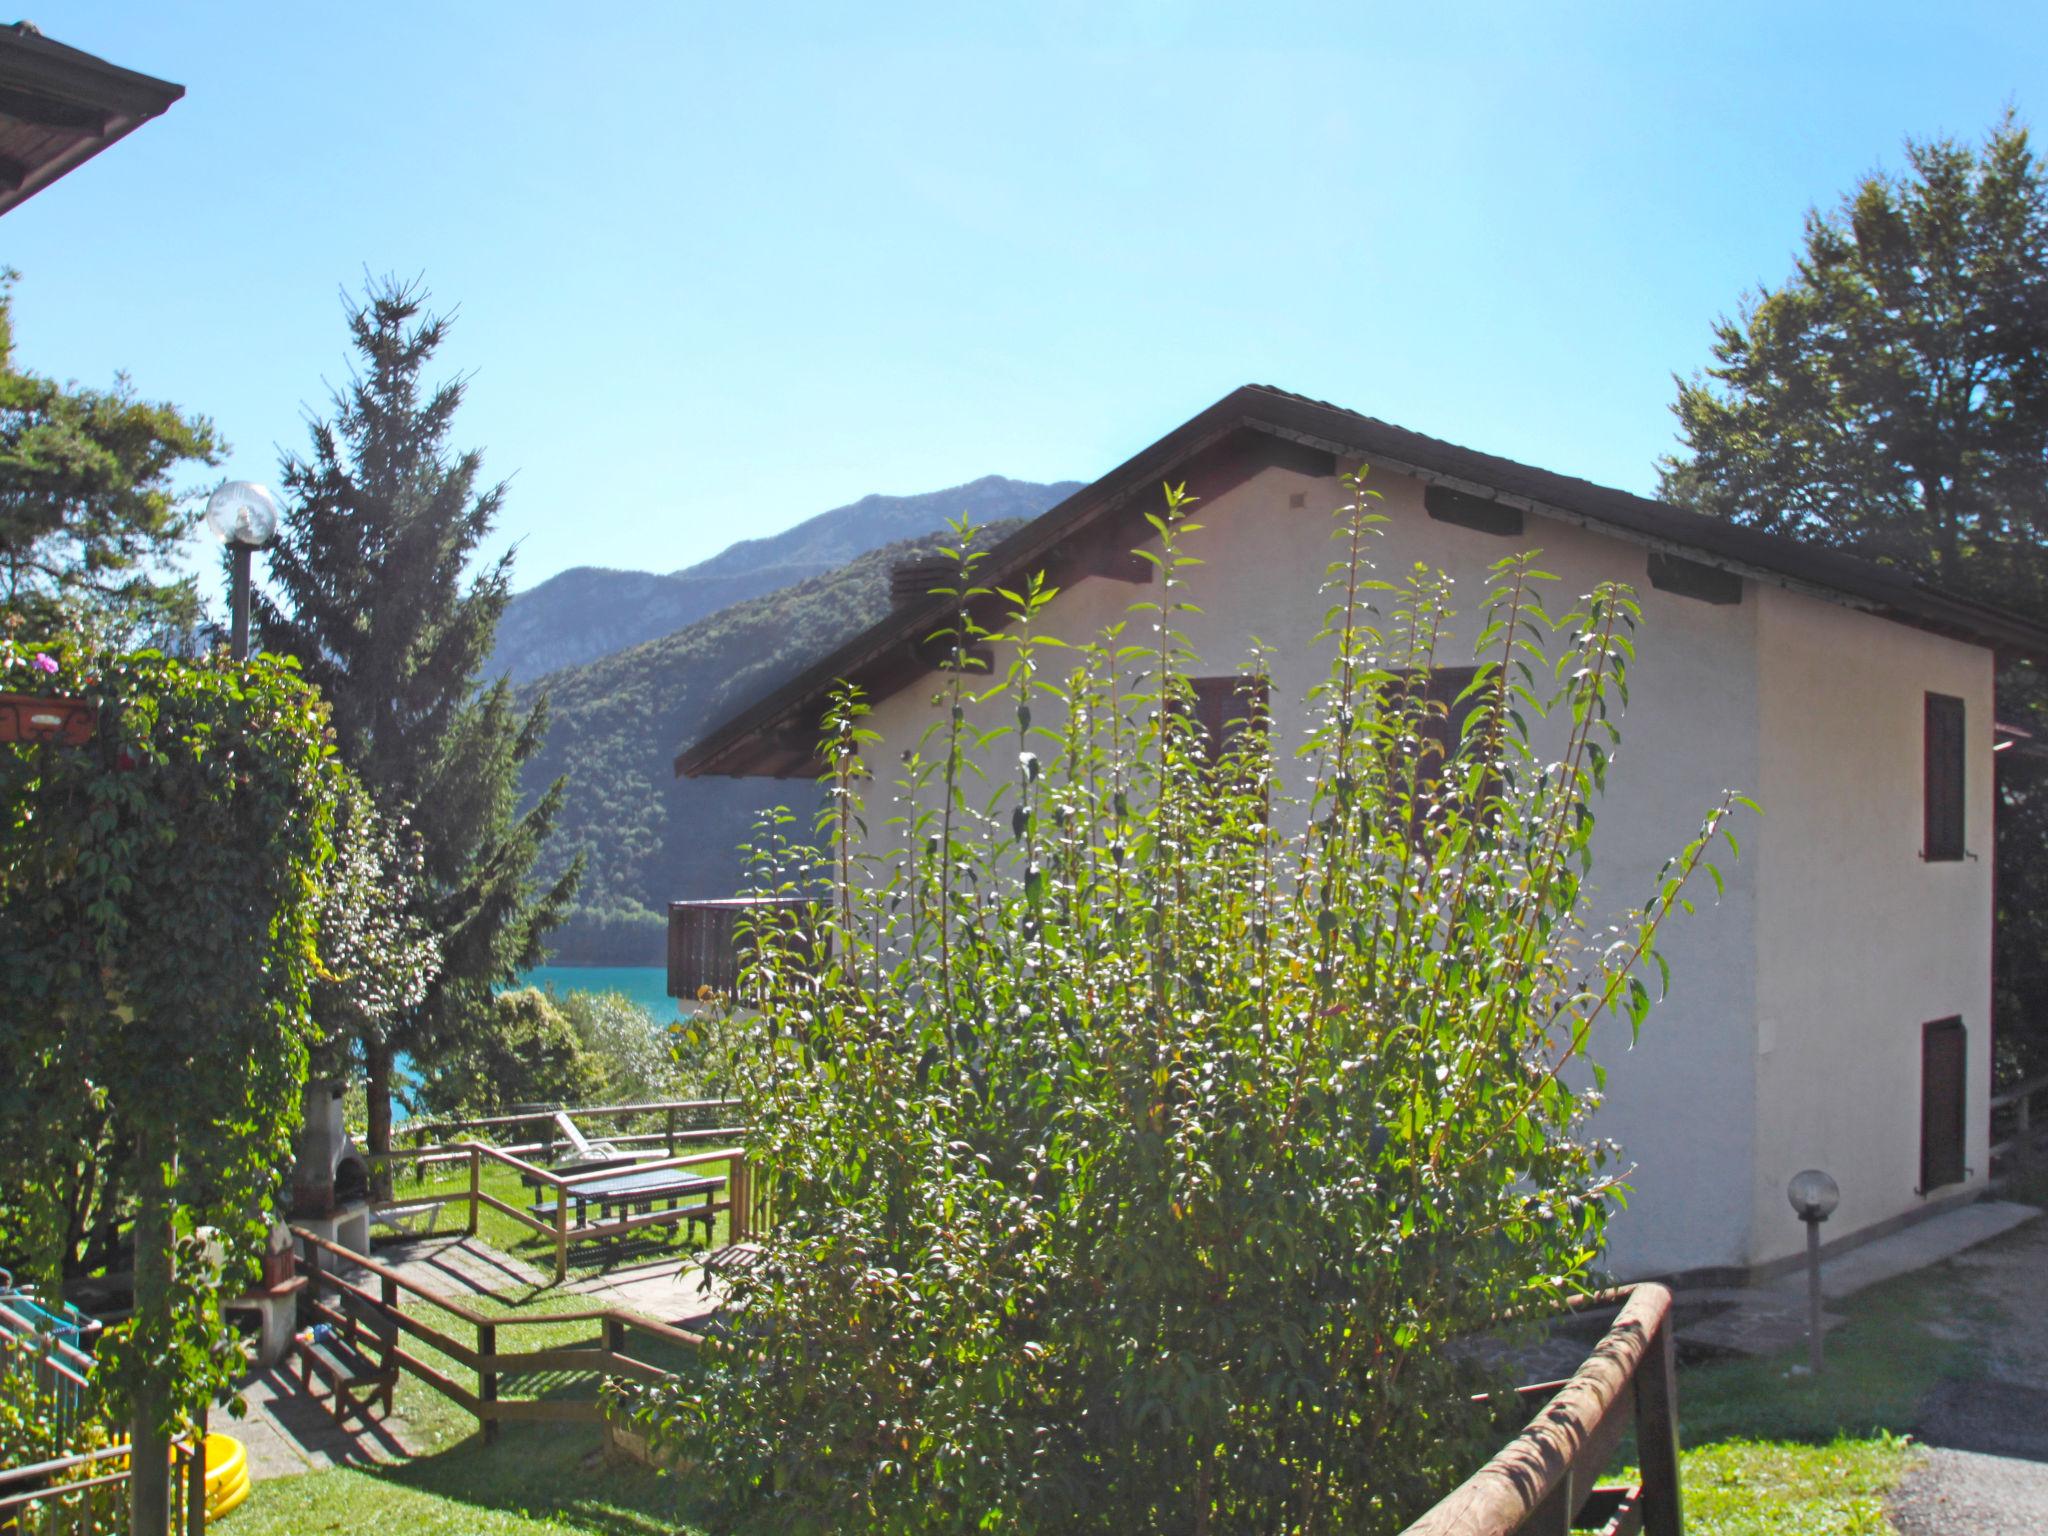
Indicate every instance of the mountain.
{"type": "Point", "coordinates": [588, 612]}
{"type": "Point", "coordinates": [616, 724]}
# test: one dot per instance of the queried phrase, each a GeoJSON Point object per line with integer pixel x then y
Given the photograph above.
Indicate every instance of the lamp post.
{"type": "Point", "coordinates": [243, 516]}
{"type": "Point", "coordinates": [1814, 1196]}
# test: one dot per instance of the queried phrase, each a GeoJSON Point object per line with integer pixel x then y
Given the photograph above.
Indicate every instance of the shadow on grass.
{"type": "Point", "coordinates": [551, 1471]}
{"type": "Point", "coordinates": [1902, 1340]}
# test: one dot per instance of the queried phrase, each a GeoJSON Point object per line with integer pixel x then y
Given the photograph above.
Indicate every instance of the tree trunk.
{"type": "Point", "coordinates": [377, 1063]}
{"type": "Point", "coordinates": [149, 1509]}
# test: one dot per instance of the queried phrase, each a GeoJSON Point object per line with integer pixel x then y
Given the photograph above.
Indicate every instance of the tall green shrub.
{"type": "Point", "coordinates": [158, 913]}
{"type": "Point", "coordinates": [1143, 1137]}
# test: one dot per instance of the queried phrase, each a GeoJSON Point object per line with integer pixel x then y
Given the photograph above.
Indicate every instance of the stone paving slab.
{"type": "Point", "coordinates": [1927, 1242]}
{"type": "Point", "coordinates": [669, 1292]}
{"type": "Point", "coordinates": [1763, 1319]}
{"type": "Point", "coordinates": [456, 1265]}
{"type": "Point", "coordinates": [287, 1432]}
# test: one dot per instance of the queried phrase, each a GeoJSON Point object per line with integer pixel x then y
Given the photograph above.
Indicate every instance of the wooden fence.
{"type": "Point", "coordinates": [670, 1121]}
{"type": "Point", "coordinates": [2019, 1120]}
{"type": "Point", "coordinates": [743, 1197]}
{"type": "Point", "coordinates": [1545, 1481]}
{"type": "Point", "coordinates": [88, 1494]}
{"type": "Point", "coordinates": [378, 1310]}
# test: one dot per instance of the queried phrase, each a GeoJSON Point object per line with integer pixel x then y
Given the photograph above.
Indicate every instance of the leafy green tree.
{"type": "Point", "coordinates": [631, 1052]}
{"type": "Point", "coordinates": [1144, 1133]}
{"type": "Point", "coordinates": [157, 913]}
{"type": "Point", "coordinates": [1891, 399]}
{"type": "Point", "coordinates": [378, 956]}
{"type": "Point", "coordinates": [530, 1054]}
{"type": "Point", "coordinates": [375, 597]}
{"type": "Point", "coordinates": [88, 513]}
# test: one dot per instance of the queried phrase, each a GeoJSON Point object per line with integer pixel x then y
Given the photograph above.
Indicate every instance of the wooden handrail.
{"type": "Point", "coordinates": [535, 1117]}
{"type": "Point", "coordinates": [2024, 1131]}
{"type": "Point", "coordinates": [456, 1151]}
{"type": "Point", "coordinates": [2018, 1091]}
{"type": "Point", "coordinates": [1546, 1475]}
{"type": "Point", "coordinates": [469, 1314]}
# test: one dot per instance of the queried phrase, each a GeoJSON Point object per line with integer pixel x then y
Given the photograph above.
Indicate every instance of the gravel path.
{"type": "Point", "coordinates": [1985, 1471]}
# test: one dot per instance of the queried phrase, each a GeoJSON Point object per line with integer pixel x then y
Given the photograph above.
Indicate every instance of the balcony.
{"type": "Point", "coordinates": [708, 940]}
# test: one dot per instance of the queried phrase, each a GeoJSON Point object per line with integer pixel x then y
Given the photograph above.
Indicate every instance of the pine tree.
{"type": "Point", "coordinates": [376, 599]}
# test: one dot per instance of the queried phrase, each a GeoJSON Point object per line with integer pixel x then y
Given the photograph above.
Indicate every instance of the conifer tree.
{"type": "Point", "coordinates": [376, 598]}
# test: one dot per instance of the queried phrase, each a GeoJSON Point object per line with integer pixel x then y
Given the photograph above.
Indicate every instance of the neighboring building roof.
{"type": "Point", "coordinates": [61, 106]}
{"type": "Point", "coordinates": [1256, 426]}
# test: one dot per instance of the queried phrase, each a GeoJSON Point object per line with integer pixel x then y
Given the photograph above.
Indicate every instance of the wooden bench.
{"type": "Point", "coordinates": [357, 1359]}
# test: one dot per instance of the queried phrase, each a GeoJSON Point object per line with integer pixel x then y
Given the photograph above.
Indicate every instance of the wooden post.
{"type": "Point", "coordinates": [1657, 1433]}
{"type": "Point", "coordinates": [739, 1224]}
{"type": "Point", "coordinates": [476, 1184]}
{"type": "Point", "coordinates": [149, 1477]}
{"type": "Point", "coordinates": [672, 1128]}
{"type": "Point", "coordinates": [487, 1378]}
{"type": "Point", "coordinates": [195, 1480]}
{"type": "Point", "coordinates": [561, 1234]}
{"type": "Point", "coordinates": [614, 1336]}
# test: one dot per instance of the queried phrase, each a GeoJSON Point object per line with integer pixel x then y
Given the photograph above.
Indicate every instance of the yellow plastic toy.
{"type": "Point", "coordinates": [227, 1475]}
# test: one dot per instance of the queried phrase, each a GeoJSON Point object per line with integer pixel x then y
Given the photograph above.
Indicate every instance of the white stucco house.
{"type": "Point", "coordinates": [1832, 1010]}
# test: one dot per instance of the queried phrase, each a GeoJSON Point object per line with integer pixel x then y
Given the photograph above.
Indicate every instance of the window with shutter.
{"type": "Point", "coordinates": [1223, 707]}
{"type": "Point", "coordinates": [1442, 729]}
{"type": "Point", "coordinates": [1942, 819]}
{"type": "Point", "coordinates": [1944, 1100]}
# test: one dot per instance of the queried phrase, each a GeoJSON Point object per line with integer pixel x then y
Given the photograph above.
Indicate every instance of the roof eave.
{"type": "Point", "coordinates": [52, 72]}
{"type": "Point", "coordinates": [767, 739]}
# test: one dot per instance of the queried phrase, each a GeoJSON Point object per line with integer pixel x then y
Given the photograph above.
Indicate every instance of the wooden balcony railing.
{"type": "Point", "coordinates": [707, 940]}
{"type": "Point", "coordinates": [2019, 1121]}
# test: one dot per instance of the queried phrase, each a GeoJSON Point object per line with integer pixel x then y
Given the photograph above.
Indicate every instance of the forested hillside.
{"type": "Point", "coordinates": [618, 722]}
{"type": "Point", "coordinates": [589, 612]}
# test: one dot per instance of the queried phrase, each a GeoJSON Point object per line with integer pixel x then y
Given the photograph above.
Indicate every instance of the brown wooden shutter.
{"type": "Point", "coordinates": [1944, 1057]}
{"type": "Point", "coordinates": [1224, 706]}
{"type": "Point", "coordinates": [1942, 831]}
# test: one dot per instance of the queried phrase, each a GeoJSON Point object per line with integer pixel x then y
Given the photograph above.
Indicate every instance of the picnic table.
{"type": "Point", "coordinates": [624, 1191]}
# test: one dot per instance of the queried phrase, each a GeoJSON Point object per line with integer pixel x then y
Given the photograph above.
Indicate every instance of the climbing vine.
{"type": "Point", "coordinates": [158, 892]}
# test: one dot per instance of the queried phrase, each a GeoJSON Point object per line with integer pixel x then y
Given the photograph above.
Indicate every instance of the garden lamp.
{"type": "Point", "coordinates": [243, 516]}
{"type": "Point", "coordinates": [1814, 1197]}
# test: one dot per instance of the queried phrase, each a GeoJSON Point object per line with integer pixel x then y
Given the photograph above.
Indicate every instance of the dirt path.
{"type": "Point", "coordinates": [1986, 1467]}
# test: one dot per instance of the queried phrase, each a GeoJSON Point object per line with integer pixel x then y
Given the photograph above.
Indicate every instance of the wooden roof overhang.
{"type": "Point", "coordinates": [60, 106]}
{"type": "Point", "coordinates": [1093, 531]}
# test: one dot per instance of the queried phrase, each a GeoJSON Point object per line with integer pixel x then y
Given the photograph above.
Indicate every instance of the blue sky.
{"type": "Point", "coordinates": [720, 267]}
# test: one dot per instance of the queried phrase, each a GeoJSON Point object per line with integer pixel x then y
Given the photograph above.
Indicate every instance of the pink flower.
{"type": "Point", "coordinates": [45, 663]}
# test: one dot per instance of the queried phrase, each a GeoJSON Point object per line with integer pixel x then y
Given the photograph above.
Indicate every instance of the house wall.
{"type": "Point", "coordinates": [1681, 1100]}
{"type": "Point", "coordinates": [1859, 940]}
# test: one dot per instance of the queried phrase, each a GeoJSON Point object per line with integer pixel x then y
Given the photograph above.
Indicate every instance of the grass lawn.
{"type": "Point", "coordinates": [1765, 1449]}
{"type": "Point", "coordinates": [513, 1237]}
{"type": "Point", "coordinates": [537, 1478]}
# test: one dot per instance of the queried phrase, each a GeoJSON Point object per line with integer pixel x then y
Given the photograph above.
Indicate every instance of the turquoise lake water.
{"type": "Point", "coordinates": [647, 985]}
